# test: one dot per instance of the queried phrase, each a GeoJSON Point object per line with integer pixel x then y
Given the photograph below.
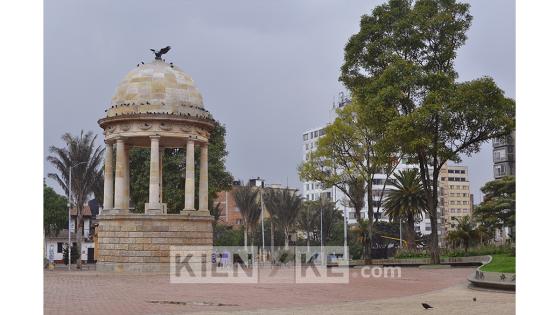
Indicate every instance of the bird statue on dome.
{"type": "Point", "coordinates": [160, 52]}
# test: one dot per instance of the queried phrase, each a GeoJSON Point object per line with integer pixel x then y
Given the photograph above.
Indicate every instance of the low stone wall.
{"type": "Point", "coordinates": [140, 243]}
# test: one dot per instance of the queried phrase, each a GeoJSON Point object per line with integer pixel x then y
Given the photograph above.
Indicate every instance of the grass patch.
{"type": "Point", "coordinates": [501, 263]}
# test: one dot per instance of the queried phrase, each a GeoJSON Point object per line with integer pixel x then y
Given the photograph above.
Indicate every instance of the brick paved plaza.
{"type": "Point", "coordinates": [92, 292]}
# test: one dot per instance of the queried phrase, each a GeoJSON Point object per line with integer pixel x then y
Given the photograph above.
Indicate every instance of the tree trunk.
{"type": "Point", "coordinates": [432, 202]}
{"type": "Point", "coordinates": [434, 248]}
{"type": "Point", "coordinates": [410, 233]}
{"type": "Point", "coordinates": [271, 236]}
{"type": "Point", "coordinates": [308, 241]}
{"type": "Point", "coordinates": [286, 240]}
{"type": "Point", "coordinates": [245, 236]}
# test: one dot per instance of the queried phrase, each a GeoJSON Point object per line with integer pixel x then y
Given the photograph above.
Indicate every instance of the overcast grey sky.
{"type": "Point", "coordinates": [268, 70]}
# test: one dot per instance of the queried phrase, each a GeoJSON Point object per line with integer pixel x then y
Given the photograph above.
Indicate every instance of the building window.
{"type": "Point", "coordinates": [307, 146]}
{"type": "Point", "coordinates": [452, 194]}
{"type": "Point", "coordinates": [465, 202]}
{"type": "Point", "coordinates": [305, 137]}
{"type": "Point", "coordinates": [464, 195]}
{"type": "Point", "coordinates": [238, 222]}
{"type": "Point", "coordinates": [59, 247]}
{"type": "Point", "coordinates": [316, 133]}
{"type": "Point", "coordinates": [499, 170]}
{"type": "Point", "coordinates": [465, 187]}
{"type": "Point", "coordinates": [500, 155]}
{"type": "Point", "coordinates": [451, 187]}
{"type": "Point", "coordinates": [465, 210]}
{"type": "Point", "coordinates": [452, 202]}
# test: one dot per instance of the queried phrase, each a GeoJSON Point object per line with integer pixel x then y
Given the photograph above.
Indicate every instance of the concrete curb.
{"type": "Point", "coordinates": [492, 280]}
{"type": "Point", "coordinates": [416, 262]}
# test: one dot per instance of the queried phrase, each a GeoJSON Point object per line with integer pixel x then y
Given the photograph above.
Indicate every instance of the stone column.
{"type": "Point", "coordinates": [189, 178]}
{"type": "Point", "coordinates": [161, 175]}
{"type": "Point", "coordinates": [120, 181]}
{"type": "Point", "coordinates": [126, 195]}
{"type": "Point", "coordinates": [108, 182]}
{"type": "Point", "coordinates": [203, 183]}
{"type": "Point", "coordinates": [153, 199]}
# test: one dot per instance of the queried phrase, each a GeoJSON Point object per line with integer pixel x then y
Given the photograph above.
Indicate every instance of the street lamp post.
{"type": "Point", "coordinates": [69, 213]}
{"type": "Point", "coordinates": [262, 225]}
{"type": "Point", "coordinates": [322, 251]}
{"type": "Point", "coordinates": [345, 234]}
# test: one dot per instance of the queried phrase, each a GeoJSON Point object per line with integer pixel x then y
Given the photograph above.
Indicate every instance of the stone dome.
{"type": "Point", "coordinates": [157, 88]}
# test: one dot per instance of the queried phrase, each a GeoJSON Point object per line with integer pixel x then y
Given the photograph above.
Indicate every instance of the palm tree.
{"type": "Point", "coordinates": [356, 196]}
{"type": "Point", "coordinates": [246, 200]}
{"type": "Point", "coordinates": [289, 205]}
{"type": "Point", "coordinates": [361, 232]}
{"type": "Point", "coordinates": [270, 197]}
{"type": "Point", "coordinates": [406, 202]}
{"type": "Point", "coordinates": [307, 220]}
{"type": "Point", "coordinates": [465, 231]}
{"type": "Point", "coordinates": [331, 216]}
{"type": "Point", "coordinates": [85, 158]}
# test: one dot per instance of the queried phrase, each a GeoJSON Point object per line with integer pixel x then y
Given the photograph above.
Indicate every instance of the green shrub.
{"type": "Point", "coordinates": [456, 252]}
{"type": "Point", "coordinates": [404, 253]}
{"type": "Point", "coordinates": [227, 236]}
{"type": "Point", "coordinates": [74, 254]}
{"type": "Point", "coordinates": [285, 256]}
{"type": "Point", "coordinates": [478, 251]}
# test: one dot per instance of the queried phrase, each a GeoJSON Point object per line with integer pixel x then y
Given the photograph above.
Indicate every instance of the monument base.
{"type": "Point", "coordinates": [140, 243]}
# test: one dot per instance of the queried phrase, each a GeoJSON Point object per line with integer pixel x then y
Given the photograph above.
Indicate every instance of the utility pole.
{"type": "Point", "coordinates": [345, 234]}
{"type": "Point", "coordinates": [262, 222]}
{"type": "Point", "coordinates": [69, 218]}
{"type": "Point", "coordinates": [322, 250]}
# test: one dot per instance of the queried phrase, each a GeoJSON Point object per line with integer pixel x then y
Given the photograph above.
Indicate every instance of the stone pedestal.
{"type": "Point", "coordinates": [140, 242]}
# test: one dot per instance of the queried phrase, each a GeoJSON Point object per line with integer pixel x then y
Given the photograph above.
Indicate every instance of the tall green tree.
{"type": "Point", "coordinates": [498, 208]}
{"type": "Point", "coordinates": [246, 199]}
{"type": "Point", "coordinates": [85, 158]}
{"type": "Point", "coordinates": [406, 202]}
{"type": "Point", "coordinates": [402, 60]}
{"type": "Point", "coordinates": [55, 211]}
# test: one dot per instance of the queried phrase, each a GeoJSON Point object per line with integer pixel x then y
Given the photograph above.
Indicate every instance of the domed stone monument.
{"type": "Point", "coordinates": [155, 106]}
